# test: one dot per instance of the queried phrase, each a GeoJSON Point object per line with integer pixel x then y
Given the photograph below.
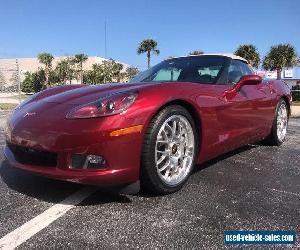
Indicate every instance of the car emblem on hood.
{"type": "Point", "coordinates": [29, 114]}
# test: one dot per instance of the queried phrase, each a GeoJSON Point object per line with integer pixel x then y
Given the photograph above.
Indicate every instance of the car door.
{"type": "Point", "coordinates": [262, 104]}
{"type": "Point", "coordinates": [228, 122]}
{"type": "Point", "coordinates": [238, 115]}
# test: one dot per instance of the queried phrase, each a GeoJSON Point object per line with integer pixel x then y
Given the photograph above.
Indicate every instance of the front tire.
{"type": "Point", "coordinates": [169, 150]}
{"type": "Point", "coordinates": [280, 123]}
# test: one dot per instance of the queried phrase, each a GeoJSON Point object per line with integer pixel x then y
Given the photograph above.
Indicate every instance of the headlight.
{"type": "Point", "coordinates": [110, 105]}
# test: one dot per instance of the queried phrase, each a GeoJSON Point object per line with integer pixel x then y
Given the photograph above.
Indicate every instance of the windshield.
{"type": "Point", "coordinates": [199, 69]}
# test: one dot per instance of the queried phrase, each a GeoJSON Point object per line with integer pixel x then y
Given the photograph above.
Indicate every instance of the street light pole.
{"type": "Point", "coordinates": [18, 80]}
{"type": "Point", "coordinates": [105, 40]}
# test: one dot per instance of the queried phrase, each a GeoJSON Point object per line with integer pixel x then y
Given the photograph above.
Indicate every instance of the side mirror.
{"type": "Point", "coordinates": [249, 80]}
{"type": "Point", "coordinates": [245, 80]}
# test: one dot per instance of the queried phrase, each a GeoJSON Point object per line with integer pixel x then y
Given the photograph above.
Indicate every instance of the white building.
{"type": "Point", "coordinates": [8, 67]}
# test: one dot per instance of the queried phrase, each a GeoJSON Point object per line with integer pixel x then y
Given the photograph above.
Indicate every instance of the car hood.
{"type": "Point", "coordinates": [86, 94]}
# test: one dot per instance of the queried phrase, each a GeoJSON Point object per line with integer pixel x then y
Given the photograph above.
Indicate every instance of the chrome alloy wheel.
{"type": "Point", "coordinates": [282, 121]}
{"type": "Point", "coordinates": [174, 150]}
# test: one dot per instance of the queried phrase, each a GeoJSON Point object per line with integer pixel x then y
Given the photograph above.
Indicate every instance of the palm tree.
{"type": "Point", "coordinates": [250, 53]}
{"type": "Point", "coordinates": [79, 59]}
{"type": "Point", "coordinates": [148, 46]}
{"type": "Point", "coordinates": [64, 70]}
{"type": "Point", "coordinates": [196, 53]}
{"type": "Point", "coordinates": [279, 57]}
{"type": "Point", "coordinates": [46, 59]}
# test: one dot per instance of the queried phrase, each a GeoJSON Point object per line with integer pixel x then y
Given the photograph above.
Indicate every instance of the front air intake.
{"type": "Point", "coordinates": [30, 156]}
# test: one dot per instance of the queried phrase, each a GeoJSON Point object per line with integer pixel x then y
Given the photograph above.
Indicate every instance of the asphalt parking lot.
{"type": "Point", "coordinates": [253, 188]}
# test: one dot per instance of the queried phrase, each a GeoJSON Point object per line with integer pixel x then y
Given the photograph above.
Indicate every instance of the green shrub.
{"type": "Point", "coordinates": [33, 82]}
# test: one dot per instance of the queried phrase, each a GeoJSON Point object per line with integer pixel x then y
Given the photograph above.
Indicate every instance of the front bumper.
{"type": "Point", "coordinates": [122, 153]}
{"type": "Point", "coordinates": [103, 177]}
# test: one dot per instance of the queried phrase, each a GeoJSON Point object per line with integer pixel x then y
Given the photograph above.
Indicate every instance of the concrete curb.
{"type": "Point", "coordinates": [3, 117]}
{"type": "Point", "coordinates": [295, 111]}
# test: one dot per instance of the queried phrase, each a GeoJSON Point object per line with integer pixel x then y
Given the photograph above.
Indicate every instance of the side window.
{"type": "Point", "coordinates": [169, 74]}
{"type": "Point", "coordinates": [245, 68]}
{"type": "Point", "coordinates": [237, 69]}
{"type": "Point", "coordinates": [234, 72]}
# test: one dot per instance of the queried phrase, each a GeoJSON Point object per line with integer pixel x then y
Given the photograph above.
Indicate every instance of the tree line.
{"type": "Point", "coordinates": [71, 68]}
{"type": "Point", "coordinates": [279, 56]}
{"type": "Point", "coordinates": [67, 69]}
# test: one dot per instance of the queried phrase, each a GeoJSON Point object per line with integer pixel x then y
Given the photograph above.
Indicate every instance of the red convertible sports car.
{"type": "Point", "coordinates": [152, 130]}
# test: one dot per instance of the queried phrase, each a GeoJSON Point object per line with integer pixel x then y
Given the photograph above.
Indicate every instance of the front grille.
{"type": "Point", "coordinates": [31, 156]}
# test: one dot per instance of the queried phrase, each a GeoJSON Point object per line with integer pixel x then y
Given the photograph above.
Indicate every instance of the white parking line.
{"type": "Point", "coordinates": [284, 192]}
{"type": "Point", "coordinates": [30, 228]}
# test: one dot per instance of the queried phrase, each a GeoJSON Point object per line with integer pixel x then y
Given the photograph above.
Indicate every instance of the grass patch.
{"type": "Point", "coordinates": [8, 106]}
{"type": "Point", "coordinates": [16, 97]}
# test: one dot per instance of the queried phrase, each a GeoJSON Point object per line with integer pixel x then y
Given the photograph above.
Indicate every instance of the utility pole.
{"type": "Point", "coordinates": [18, 79]}
{"type": "Point", "coordinates": [105, 45]}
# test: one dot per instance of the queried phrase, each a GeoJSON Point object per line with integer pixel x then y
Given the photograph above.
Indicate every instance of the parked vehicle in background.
{"type": "Point", "coordinates": [296, 93]}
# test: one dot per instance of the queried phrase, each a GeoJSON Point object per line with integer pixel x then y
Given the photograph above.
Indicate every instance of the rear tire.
{"type": "Point", "coordinates": [280, 123]}
{"type": "Point", "coordinates": [169, 151]}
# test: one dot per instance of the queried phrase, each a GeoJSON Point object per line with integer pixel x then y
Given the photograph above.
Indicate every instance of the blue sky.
{"type": "Point", "coordinates": [67, 27]}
